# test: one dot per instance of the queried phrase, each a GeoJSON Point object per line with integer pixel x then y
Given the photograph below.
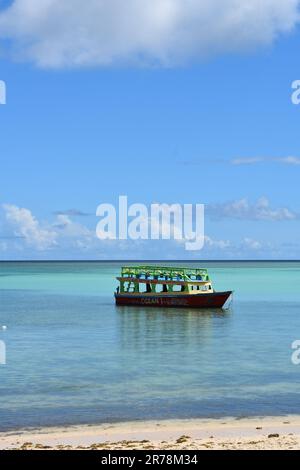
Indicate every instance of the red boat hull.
{"type": "Point", "coordinates": [210, 300]}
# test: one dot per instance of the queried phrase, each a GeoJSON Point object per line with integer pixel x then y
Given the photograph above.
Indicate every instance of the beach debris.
{"type": "Point", "coordinates": [258, 428]}
{"type": "Point", "coordinates": [26, 445]}
{"type": "Point", "coordinates": [273, 435]}
{"type": "Point", "coordinates": [182, 439]}
{"type": "Point", "coordinates": [42, 447]}
{"type": "Point", "coordinates": [207, 445]}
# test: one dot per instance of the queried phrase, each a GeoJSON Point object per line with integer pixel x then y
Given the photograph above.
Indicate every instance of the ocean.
{"type": "Point", "coordinates": [73, 357]}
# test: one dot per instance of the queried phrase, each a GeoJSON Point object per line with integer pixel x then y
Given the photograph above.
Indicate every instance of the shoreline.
{"type": "Point", "coordinates": [280, 432]}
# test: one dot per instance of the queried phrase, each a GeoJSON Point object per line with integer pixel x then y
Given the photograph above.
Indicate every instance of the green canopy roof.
{"type": "Point", "coordinates": [164, 271]}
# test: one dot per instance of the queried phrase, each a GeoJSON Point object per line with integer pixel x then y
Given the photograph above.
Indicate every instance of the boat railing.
{"type": "Point", "coordinates": [164, 273]}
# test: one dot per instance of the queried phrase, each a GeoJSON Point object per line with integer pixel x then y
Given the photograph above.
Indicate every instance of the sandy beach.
{"type": "Point", "coordinates": [227, 433]}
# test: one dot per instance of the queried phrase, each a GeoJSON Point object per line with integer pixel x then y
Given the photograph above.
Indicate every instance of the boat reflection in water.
{"type": "Point", "coordinates": [141, 328]}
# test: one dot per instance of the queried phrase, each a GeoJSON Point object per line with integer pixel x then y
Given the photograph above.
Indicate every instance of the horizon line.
{"type": "Point", "coordinates": [154, 261]}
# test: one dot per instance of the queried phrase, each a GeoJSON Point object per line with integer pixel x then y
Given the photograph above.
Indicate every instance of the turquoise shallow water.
{"type": "Point", "coordinates": [73, 357]}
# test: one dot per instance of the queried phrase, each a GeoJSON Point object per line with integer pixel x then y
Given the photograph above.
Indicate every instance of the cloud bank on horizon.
{"type": "Point", "coordinates": [70, 33]}
{"type": "Point", "coordinates": [242, 209]}
{"type": "Point", "coordinates": [66, 238]}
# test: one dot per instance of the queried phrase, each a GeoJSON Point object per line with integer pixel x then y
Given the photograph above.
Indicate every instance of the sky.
{"type": "Point", "coordinates": [164, 101]}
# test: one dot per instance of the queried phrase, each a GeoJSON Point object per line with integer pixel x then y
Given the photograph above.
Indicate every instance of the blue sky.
{"type": "Point", "coordinates": [208, 124]}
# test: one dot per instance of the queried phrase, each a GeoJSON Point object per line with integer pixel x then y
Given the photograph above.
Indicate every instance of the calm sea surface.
{"type": "Point", "coordinates": [73, 357]}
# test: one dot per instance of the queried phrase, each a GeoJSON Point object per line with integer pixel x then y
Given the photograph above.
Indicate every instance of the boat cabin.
{"type": "Point", "coordinates": [149, 280]}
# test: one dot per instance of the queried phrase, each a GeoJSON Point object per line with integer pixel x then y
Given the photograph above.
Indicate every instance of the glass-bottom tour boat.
{"type": "Point", "coordinates": [158, 286]}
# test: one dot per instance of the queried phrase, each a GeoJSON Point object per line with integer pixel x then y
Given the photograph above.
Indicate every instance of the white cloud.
{"type": "Point", "coordinates": [247, 161]}
{"type": "Point", "coordinates": [252, 160]}
{"type": "Point", "coordinates": [252, 244]}
{"type": "Point", "coordinates": [72, 213]}
{"type": "Point", "coordinates": [74, 234]}
{"type": "Point", "coordinates": [244, 210]}
{"type": "Point", "coordinates": [28, 227]}
{"type": "Point", "coordinates": [44, 236]}
{"type": "Point", "coordinates": [290, 160]}
{"type": "Point", "coordinates": [218, 244]}
{"type": "Point", "coordinates": [58, 33]}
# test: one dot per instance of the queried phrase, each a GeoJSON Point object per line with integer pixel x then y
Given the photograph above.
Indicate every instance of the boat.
{"type": "Point", "coordinates": [159, 286]}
